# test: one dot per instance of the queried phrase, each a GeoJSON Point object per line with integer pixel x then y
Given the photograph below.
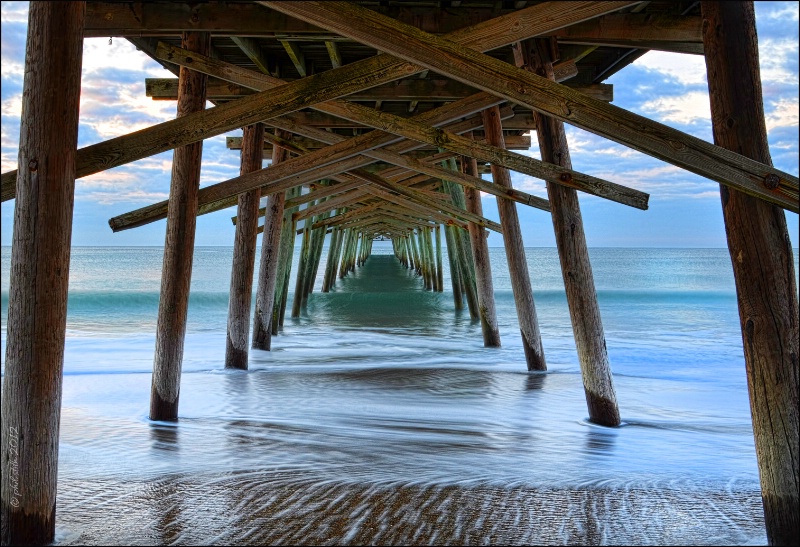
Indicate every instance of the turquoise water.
{"type": "Point", "coordinates": [379, 417]}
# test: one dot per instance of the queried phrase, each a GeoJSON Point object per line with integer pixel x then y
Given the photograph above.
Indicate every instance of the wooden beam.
{"type": "Point", "coordinates": [633, 28]}
{"type": "Point", "coordinates": [296, 171]}
{"type": "Point", "coordinates": [39, 278]}
{"type": "Point", "coordinates": [296, 56]}
{"type": "Point", "coordinates": [553, 99]}
{"type": "Point", "coordinates": [762, 261]}
{"type": "Point", "coordinates": [334, 83]}
{"type": "Point", "coordinates": [251, 48]}
{"type": "Point", "coordinates": [138, 19]}
{"type": "Point", "coordinates": [270, 258]}
{"type": "Point", "coordinates": [409, 89]}
{"type": "Point", "coordinates": [244, 256]}
{"type": "Point", "coordinates": [176, 273]}
{"type": "Point", "coordinates": [516, 142]}
{"type": "Point", "coordinates": [333, 53]}
{"type": "Point", "coordinates": [573, 253]}
{"type": "Point", "coordinates": [484, 152]}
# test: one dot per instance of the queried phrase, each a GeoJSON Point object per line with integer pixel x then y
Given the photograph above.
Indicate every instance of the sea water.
{"type": "Point", "coordinates": [379, 417]}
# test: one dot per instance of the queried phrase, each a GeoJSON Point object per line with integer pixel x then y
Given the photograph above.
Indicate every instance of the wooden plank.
{"type": "Point", "coordinates": [492, 34]}
{"type": "Point", "coordinates": [516, 142]}
{"type": "Point", "coordinates": [486, 152]}
{"type": "Point", "coordinates": [553, 99]}
{"type": "Point", "coordinates": [333, 53]}
{"type": "Point", "coordinates": [409, 89]}
{"type": "Point", "coordinates": [219, 119]}
{"type": "Point", "coordinates": [762, 261]}
{"type": "Point", "coordinates": [297, 171]}
{"type": "Point", "coordinates": [635, 27]}
{"type": "Point", "coordinates": [296, 56]}
{"type": "Point", "coordinates": [137, 19]}
{"type": "Point", "coordinates": [39, 276]}
{"type": "Point", "coordinates": [251, 48]}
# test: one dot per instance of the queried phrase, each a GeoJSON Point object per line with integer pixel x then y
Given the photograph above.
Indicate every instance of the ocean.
{"type": "Point", "coordinates": [380, 418]}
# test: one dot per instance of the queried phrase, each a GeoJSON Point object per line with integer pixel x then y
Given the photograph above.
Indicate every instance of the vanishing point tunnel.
{"type": "Point", "coordinates": [387, 145]}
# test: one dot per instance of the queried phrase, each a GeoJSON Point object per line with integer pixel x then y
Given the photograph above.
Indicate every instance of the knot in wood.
{"type": "Point", "coordinates": [565, 177]}
{"type": "Point", "coordinates": [772, 181]}
{"type": "Point", "coordinates": [33, 166]}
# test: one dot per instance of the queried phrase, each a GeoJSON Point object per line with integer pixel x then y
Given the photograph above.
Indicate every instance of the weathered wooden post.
{"type": "Point", "coordinates": [244, 253]}
{"type": "Point", "coordinates": [466, 262]}
{"type": "Point", "coordinates": [417, 258]}
{"type": "Point", "coordinates": [483, 268]}
{"type": "Point", "coordinates": [439, 272]}
{"type": "Point", "coordinates": [515, 252]}
{"type": "Point", "coordinates": [763, 265]}
{"type": "Point", "coordinates": [176, 273]}
{"type": "Point", "coordinates": [286, 255]}
{"type": "Point", "coordinates": [587, 325]}
{"type": "Point", "coordinates": [302, 267]}
{"type": "Point", "coordinates": [333, 259]}
{"type": "Point", "coordinates": [39, 276]}
{"type": "Point", "coordinates": [455, 274]}
{"type": "Point", "coordinates": [270, 255]}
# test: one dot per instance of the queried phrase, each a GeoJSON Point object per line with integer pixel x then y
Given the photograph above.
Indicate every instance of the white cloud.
{"type": "Point", "coordinates": [775, 58]}
{"type": "Point", "coordinates": [14, 12]}
{"type": "Point", "coordinates": [684, 69]}
{"type": "Point", "coordinates": [789, 12]}
{"type": "Point", "coordinates": [786, 114]}
{"type": "Point", "coordinates": [686, 108]}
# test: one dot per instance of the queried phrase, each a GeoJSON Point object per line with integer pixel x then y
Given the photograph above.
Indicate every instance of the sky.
{"type": "Point", "coordinates": [670, 88]}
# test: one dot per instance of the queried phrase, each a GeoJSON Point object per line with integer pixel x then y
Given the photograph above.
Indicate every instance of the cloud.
{"type": "Point", "coordinates": [686, 109]}
{"type": "Point", "coordinates": [687, 70]}
{"type": "Point", "coordinates": [788, 12]}
{"type": "Point", "coordinates": [785, 114]}
{"type": "Point", "coordinates": [14, 12]}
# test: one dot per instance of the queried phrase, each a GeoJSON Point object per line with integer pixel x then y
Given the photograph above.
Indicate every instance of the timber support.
{"type": "Point", "coordinates": [763, 265]}
{"type": "Point", "coordinates": [176, 274]}
{"type": "Point", "coordinates": [34, 360]}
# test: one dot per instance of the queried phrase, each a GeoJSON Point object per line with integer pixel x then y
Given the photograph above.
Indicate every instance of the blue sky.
{"type": "Point", "coordinates": [670, 88]}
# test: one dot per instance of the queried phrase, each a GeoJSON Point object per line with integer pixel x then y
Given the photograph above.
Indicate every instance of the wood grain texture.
{"type": "Point", "coordinates": [515, 254]}
{"type": "Point", "coordinates": [270, 257]}
{"type": "Point", "coordinates": [483, 267]}
{"type": "Point", "coordinates": [39, 273]}
{"type": "Point", "coordinates": [450, 58]}
{"type": "Point", "coordinates": [334, 83]}
{"type": "Point", "coordinates": [244, 254]}
{"type": "Point", "coordinates": [176, 273]}
{"type": "Point", "coordinates": [573, 254]}
{"type": "Point", "coordinates": [763, 266]}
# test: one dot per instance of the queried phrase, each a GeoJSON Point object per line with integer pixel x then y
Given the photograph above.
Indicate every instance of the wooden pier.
{"type": "Point", "coordinates": [392, 146]}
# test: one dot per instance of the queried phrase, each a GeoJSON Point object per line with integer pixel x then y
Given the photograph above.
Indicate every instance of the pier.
{"type": "Point", "coordinates": [394, 145]}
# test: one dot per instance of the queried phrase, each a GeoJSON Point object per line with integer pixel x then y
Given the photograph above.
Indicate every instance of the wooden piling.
{"type": "Point", "coordinates": [244, 253]}
{"type": "Point", "coordinates": [333, 259]}
{"type": "Point", "coordinates": [179, 244]}
{"type": "Point", "coordinates": [285, 258]}
{"type": "Point", "coordinates": [763, 265]}
{"type": "Point", "coordinates": [576, 269]}
{"type": "Point", "coordinates": [483, 268]}
{"type": "Point", "coordinates": [466, 262]}
{"type": "Point", "coordinates": [439, 271]}
{"type": "Point", "coordinates": [39, 274]}
{"type": "Point", "coordinates": [270, 256]}
{"type": "Point", "coordinates": [302, 267]}
{"type": "Point", "coordinates": [515, 252]}
{"type": "Point", "coordinates": [455, 273]}
{"type": "Point", "coordinates": [287, 272]}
